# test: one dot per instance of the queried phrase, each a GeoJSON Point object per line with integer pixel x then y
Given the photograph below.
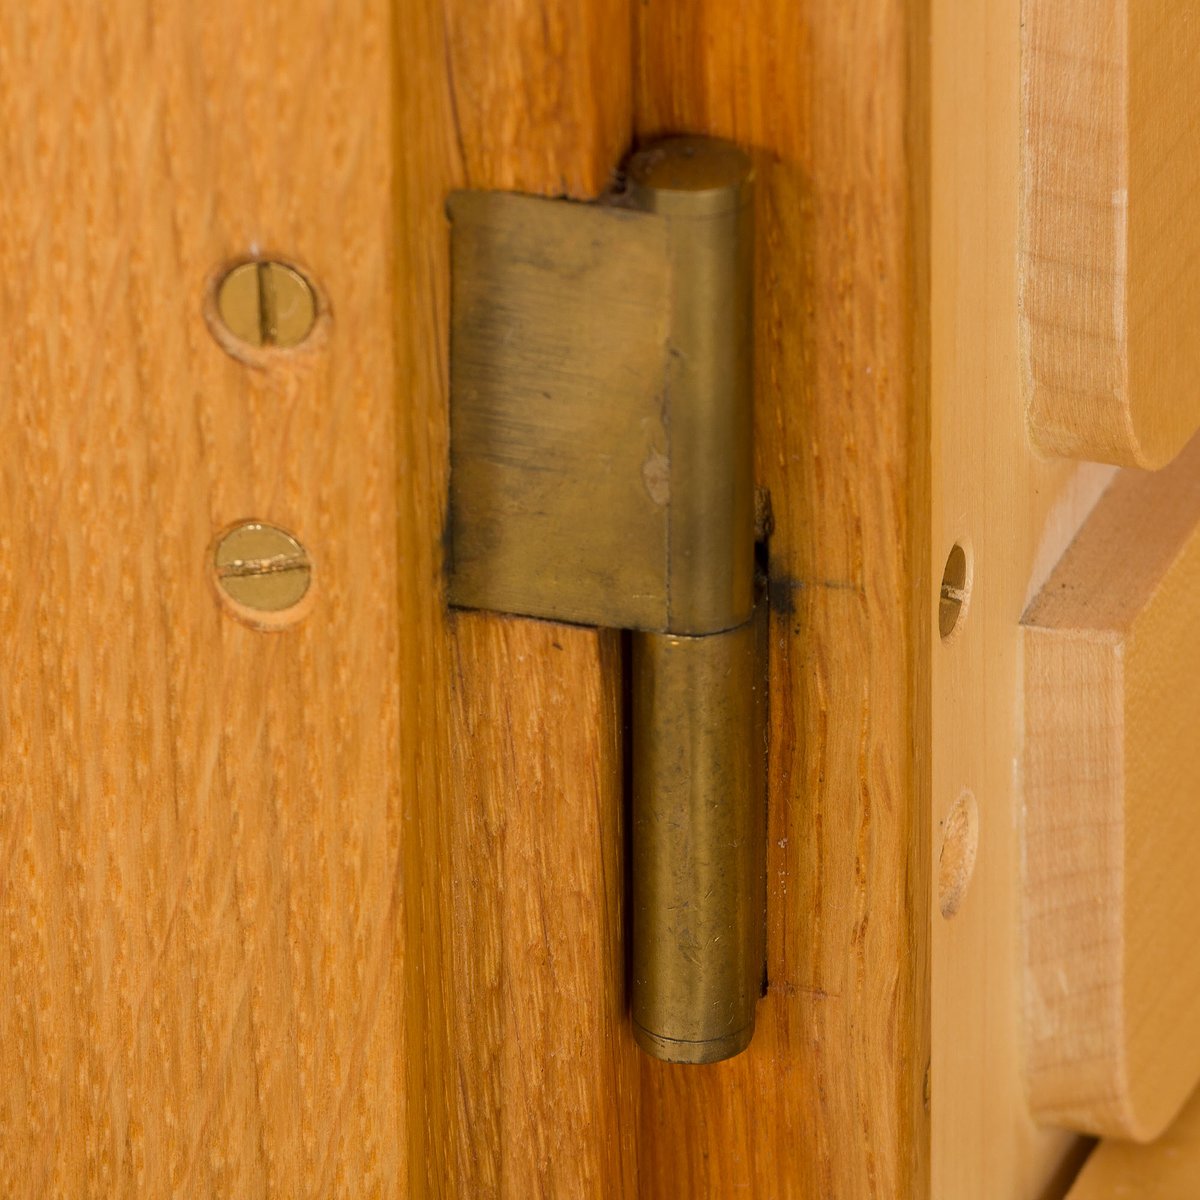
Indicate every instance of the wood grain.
{"type": "Point", "coordinates": [238, 866]}
{"type": "Point", "coordinates": [1110, 290]}
{"type": "Point", "coordinates": [1166, 1169]}
{"type": "Point", "coordinates": [1014, 511]}
{"type": "Point", "coordinates": [523, 1073]}
{"type": "Point", "coordinates": [541, 92]}
{"type": "Point", "coordinates": [201, 988]}
{"type": "Point", "coordinates": [1112, 768]}
{"type": "Point", "coordinates": [540, 1030]}
{"type": "Point", "coordinates": [828, 1099]}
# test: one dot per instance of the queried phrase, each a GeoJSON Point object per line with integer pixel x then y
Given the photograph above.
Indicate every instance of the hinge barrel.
{"type": "Point", "coordinates": [702, 190]}
{"type": "Point", "coordinates": [698, 838]}
{"type": "Point", "coordinates": [698, 819]}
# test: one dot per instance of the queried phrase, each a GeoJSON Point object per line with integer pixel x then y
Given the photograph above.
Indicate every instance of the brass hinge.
{"type": "Point", "coordinates": [602, 473]}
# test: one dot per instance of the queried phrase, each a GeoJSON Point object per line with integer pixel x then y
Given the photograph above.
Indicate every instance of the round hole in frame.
{"type": "Point", "coordinates": [956, 862]}
{"type": "Point", "coordinates": [955, 595]}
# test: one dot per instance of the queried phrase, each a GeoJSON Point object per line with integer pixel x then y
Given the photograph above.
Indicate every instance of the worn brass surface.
{"type": "Point", "coordinates": [698, 842]}
{"type": "Point", "coordinates": [559, 484]}
{"type": "Point", "coordinates": [601, 471]}
{"type": "Point", "coordinates": [266, 303]}
{"type": "Point", "coordinates": [262, 567]}
{"type": "Point", "coordinates": [601, 466]}
{"type": "Point", "coordinates": [703, 189]}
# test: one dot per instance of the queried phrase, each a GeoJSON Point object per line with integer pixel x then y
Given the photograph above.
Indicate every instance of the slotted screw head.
{"type": "Point", "coordinates": [267, 303]}
{"type": "Point", "coordinates": [262, 567]}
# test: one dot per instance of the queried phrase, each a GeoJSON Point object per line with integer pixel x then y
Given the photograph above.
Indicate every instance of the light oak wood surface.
{"type": "Point", "coordinates": [1014, 511]}
{"type": "Point", "coordinates": [1112, 773]}
{"type": "Point", "coordinates": [1166, 1169]}
{"type": "Point", "coordinates": [525, 1071]}
{"type": "Point", "coordinates": [1110, 251]}
{"type": "Point", "coordinates": [202, 973]}
{"type": "Point", "coordinates": [239, 864]}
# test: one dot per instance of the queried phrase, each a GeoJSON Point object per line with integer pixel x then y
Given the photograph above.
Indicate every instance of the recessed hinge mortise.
{"type": "Point", "coordinates": [602, 473]}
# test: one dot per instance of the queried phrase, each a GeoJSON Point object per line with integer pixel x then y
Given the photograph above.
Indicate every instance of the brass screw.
{"type": "Point", "coordinates": [262, 567]}
{"type": "Point", "coordinates": [266, 303]}
{"type": "Point", "coordinates": [955, 592]}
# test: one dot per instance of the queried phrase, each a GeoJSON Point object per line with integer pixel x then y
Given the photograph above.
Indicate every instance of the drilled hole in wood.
{"type": "Point", "coordinates": [956, 863]}
{"type": "Point", "coordinates": [955, 594]}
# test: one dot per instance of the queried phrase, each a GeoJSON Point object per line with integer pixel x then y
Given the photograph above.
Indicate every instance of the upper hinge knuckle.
{"type": "Point", "coordinates": [601, 452]}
